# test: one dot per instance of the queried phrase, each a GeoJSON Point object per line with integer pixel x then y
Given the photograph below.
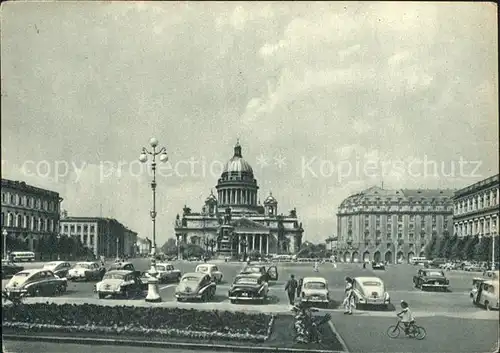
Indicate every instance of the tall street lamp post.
{"type": "Point", "coordinates": [493, 235]}
{"type": "Point", "coordinates": [58, 247]}
{"type": "Point", "coordinates": [153, 293]}
{"type": "Point", "coordinates": [4, 234]}
{"type": "Point", "coordinates": [117, 248]}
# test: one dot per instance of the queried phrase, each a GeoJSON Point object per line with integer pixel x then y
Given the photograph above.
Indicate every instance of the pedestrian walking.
{"type": "Point", "coordinates": [291, 288]}
{"type": "Point", "coordinates": [348, 300]}
{"type": "Point", "coordinates": [299, 287]}
{"type": "Point", "coordinates": [316, 266]}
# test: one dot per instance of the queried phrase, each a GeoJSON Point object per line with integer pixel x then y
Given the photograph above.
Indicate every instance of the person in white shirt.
{"type": "Point", "coordinates": [316, 265]}
{"type": "Point", "coordinates": [348, 300]}
{"type": "Point", "coordinates": [406, 316]}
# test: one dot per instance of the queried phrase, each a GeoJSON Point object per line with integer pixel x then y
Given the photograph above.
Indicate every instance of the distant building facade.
{"type": "Point", "coordinates": [476, 208]}
{"type": "Point", "coordinates": [144, 246]}
{"type": "Point", "coordinates": [29, 213]}
{"type": "Point", "coordinates": [385, 225]}
{"type": "Point", "coordinates": [234, 222]}
{"type": "Point", "coordinates": [104, 236]}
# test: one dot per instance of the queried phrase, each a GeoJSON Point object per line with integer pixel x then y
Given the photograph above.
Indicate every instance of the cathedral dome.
{"type": "Point", "coordinates": [270, 200]}
{"type": "Point", "coordinates": [237, 164]}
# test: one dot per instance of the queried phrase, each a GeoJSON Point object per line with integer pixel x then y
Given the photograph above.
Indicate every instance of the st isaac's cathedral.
{"type": "Point", "coordinates": [235, 222]}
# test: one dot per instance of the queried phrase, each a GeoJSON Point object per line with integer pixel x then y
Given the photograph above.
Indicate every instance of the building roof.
{"type": "Point", "coordinates": [314, 279]}
{"type": "Point", "coordinates": [22, 186]}
{"type": "Point", "coordinates": [270, 200]}
{"type": "Point", "coordinates": [369, 279]}
{"type": "Point", "coordinates": [376, 193]}
{"type": "Point", "coordinates": [480, 185]}
{"type": "Point", "coordinates": [237, 163]}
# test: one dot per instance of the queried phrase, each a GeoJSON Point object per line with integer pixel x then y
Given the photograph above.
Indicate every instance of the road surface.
{"type": "Point", "coordinates": [452, 322]}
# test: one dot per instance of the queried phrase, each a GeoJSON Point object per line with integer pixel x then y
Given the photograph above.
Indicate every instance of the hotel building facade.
{"type": "Point", "coordinates": [104, 236]}
{"type": "Point", "coordinates": [391, 225]}
{"type": "Point", "coordinates": [476, 208]}
{"type": "Point", "coordinates": [29, 213]}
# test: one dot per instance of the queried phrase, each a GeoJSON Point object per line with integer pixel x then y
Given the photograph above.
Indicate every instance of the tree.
{"type": "Point", "coordinates": [430, 247]}
{"type": "Point", "coordinates": [448, 242]}
{"type": "Point", "coordinates": [482, 249]}
{"type": "Point", "coordinates": [456, 246]}
{"type": "Point", "coordinates": [468, 250]}
{"type": "Point", "coordinates": [170, 247]}
{"type": "Point", "coordinates": [192, 250]}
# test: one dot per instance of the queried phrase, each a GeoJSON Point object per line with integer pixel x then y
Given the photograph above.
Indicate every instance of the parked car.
{"type": "Point", "coordinates": [195, 286]}
{"type": "Point", "coordinates": [437, 262]}
{"type": "Point", "coordinates": [270, 274]}
{"type": "Point", "coordinates": [211, 270]}
{"type": "Point", "coordinates": [166, 273]}
{"type": "Point", "coordinates": [59, 268]}
{"type": "Point", "coordinates": [119, 283]}
{"type": "Point", "coordinates": [431, 278]}
{"type": "Point", "coordinates": [487, 295]}
{"type": "Point", "coordinates": [370, 291]}
{"type": "Point", "coordinates": [476, 283]}
{"type": "Point", "coordinates": [36, 282]}
{"type": "Point", "coordinates": [378, 266]}
{"type": "Point", "coordinates": [86, 271]}
{"type": "Point", "coordinates": [315, 290]}
{"type": "Point", "coordinates": [249, 287]}
{"type": "Point", "coordinates": [475, 268]}
{"type": "Point", "coordinates": [9, 269]}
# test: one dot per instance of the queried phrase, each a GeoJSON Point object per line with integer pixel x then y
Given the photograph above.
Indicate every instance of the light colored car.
{"type": "Point", "coordinates": [371, 291]}
{"type": "Point", "coordinates": [86, 271]}
{"type": "Point", "coordinates": [211, 270]}
{"type": "Point", "coordinates": [59, 268]}
{"type": "Point", "coordinates": [315, 290]}
{"type": "Point", "coordinates": [195, 286]}
{"type": "Point", "coordinates": [166, 273]}
{"type": "Point", "coordinates": [36, 282]}
{"type": "Point", "coordinates": [119, 283]}
{"type": "Point", "coordinates": [487, 295]}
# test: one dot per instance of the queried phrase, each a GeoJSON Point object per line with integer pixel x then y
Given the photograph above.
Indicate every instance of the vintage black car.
{"type": "Point", "coordinates": [119, 283]}
{"type": "Point", "coordinates": [9, 269]}
{"type": "Point", "coordinates": [270, 274]}
{"type": "Point", "coordinates": [36, 282]}
{"type": "Point", "coordinates": [249, 287]}
{"type": "Point", "coordinates": [431, 279]}
{"type": "Point", "coordinates": [378, 266]}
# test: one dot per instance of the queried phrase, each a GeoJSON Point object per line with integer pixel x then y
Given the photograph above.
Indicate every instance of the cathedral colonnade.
{"type": "Point", "coordinates": [254, 242]}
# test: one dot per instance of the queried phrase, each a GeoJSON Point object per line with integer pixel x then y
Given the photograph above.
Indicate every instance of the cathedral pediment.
{"type": "Point", "coordinates": [245, 223]}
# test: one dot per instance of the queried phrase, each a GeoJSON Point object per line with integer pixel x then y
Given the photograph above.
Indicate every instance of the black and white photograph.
{"type": "Point", "coordinates": [249, 176]}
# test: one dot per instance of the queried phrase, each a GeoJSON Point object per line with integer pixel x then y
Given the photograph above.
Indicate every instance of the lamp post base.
{"type": "Point", "coordinates": [153, 292]}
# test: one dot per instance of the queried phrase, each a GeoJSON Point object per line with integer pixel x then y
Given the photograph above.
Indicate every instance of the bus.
{"type": "Point", "coordinates": [22, 256]}
{"type": "Point", "coordinates": [417, 260]}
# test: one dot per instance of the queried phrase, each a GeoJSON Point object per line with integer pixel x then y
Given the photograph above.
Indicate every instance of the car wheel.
{"type": "Point", "coordinates": [233, 301]}
{"type": "Point", "coordinates": [487, 305]}
{"type": "Point", "coordinates": [101, 295]}
{"type": "Point", "coordinates": [126, 293]}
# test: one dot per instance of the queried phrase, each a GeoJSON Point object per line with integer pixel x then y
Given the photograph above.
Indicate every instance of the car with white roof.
{"type": "Point", "coordinates": [195, 286]}
{"type": "Point", "coordinates": [59, 268]}
{"type": "Point", "coordinates": [119, 283]}
{"type": "Point", "coordinates": [370, 291]}
{"type": "Point", "coordinates": [166, 273]}
{"type": "Point", "coordinates": [211, 270]}
{"type": "Point", "coordinates": [86, 271]}
{"type": "Point", "coordinates": [315, 290]}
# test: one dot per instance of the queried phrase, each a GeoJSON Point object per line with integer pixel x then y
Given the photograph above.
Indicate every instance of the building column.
{"type": "Point", "coordinates": [248, 243]}
{"type": "Point", "coordinates": [267, 243]}
{"type": "Point", "coordinates": [260, 243]}
{"type": "Point", "coordinates": [240, 248]}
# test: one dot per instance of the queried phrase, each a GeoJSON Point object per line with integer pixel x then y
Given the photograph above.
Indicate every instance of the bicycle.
{"type": "Point", "coordinates": [414, 331]}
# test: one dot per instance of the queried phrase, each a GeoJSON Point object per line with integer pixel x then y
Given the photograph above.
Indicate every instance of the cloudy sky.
{"type": "Point", "coordinates": [327, 99]}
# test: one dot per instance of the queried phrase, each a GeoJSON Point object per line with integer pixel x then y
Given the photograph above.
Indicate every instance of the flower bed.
{"type": "Point", "coordinates": [130, 320]}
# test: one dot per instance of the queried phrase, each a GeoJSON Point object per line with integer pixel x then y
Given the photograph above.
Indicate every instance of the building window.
{"type": "Point", "coordinates": [92, 229]}
{"type": "Point", "coordinates": [36, 224]}
{"type": "Point", "coordinates": [412, 226]}
{"type": "Point", "coordinates": [42, 224]}
{"type": "Point", "coordinates": [4, 197]}
{"type": "Point", "coordinates": [85, 237]}
{"type": "Point", "coordinates": [400, 235]}
{"type": "Point", "coordinates": [72, 228]}
{"type": "Point", "coordinates": [412, 218]}
{"type": "Point", "coordinates": [85, 228]}
{"type": "Point", "coordinates": [92, 240]}
{"type": "Point", "coordinates": [12, 199]}
{"type": "Point", "coordinates": [411, 236]}
{"type": "Point", "coordinates": [433, 218]}
{"type": "Point", "coordinates": [2, 220]}
{"type": "Point", "coordinates": [400, 218]}
{"type": "Point", "coordinates": [78, 229]}
{"type": "Point", "coordinates": [65, 228]}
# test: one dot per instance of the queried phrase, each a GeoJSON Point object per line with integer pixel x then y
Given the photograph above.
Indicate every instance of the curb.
{"type": "Point", "coordinates": [339, 337]}
{"type": "Point", "coordinates": [159, 344]}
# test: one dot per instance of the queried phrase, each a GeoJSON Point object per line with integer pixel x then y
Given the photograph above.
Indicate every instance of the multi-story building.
{"type": "Point", "coordinates": [29, 213]}
{"type": "Point", "coordinates": [385, 225]}
{"type": "Point", "coordinates": [130, 242]}
{"type": "Point", "coordinates": [104, 236]}
{"type": "Point", "coordinates": [475, 208]}
{"type": "Point", "coordinates": [144, 246]}
{"type": "Point", "coordinates": [234, 222]}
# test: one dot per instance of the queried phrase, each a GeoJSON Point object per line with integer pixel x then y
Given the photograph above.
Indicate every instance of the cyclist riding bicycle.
{"type": "Point", "coordinates": [406, 316]}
